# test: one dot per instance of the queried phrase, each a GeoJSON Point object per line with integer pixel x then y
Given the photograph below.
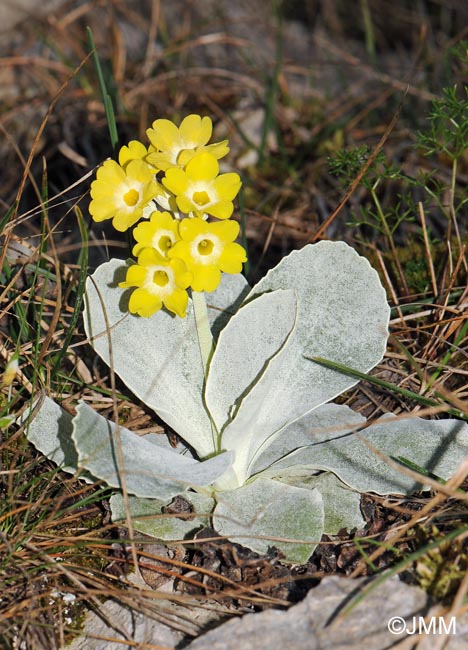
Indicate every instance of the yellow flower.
{"type": "Point", "coordinates": [158, 282]}
{"type": "Point", "coordinates": [160, 233]}
{"type": "Point", "coordinates": [122, 194]}
{"type": "Point", "coordinates": [176, 146]}
{"type": "Point", "coordinates": [199, 189]}
{"type": "Point", "coordinates": [166, 200]}
{"type": "Point", "coordinates": [207, 249]}
{"type": "Point", "coordinates": [135, 150]}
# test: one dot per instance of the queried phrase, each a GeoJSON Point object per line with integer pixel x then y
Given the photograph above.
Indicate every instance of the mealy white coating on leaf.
{"type": "Point", "coordinates": [244, 348]}
{"type": "Point", "coordinates": [274, 510]}
{"type": "Point", "coordinates": [340, 504]}
{"type": "Point", "coordinates": [323, 423]}
{"type": "Point", "coordinates": [158, 358]}
{"type": "Point", "coordinates": [161, 440]}
{"type": "Point", "coordinates": [49, 430]}
{"type": "Point", "coordinates": [342, 316]}
{"type": "Point", "coordinates": [437, 446]}
{"type": "Point", "coordinates": [242, 434]}
{"type": "Point", "coordinates": [224, 301]}
{"type": "Point", "coordinates": [149, 470]}
{"type": "Point", "coordinates": [148, 518]}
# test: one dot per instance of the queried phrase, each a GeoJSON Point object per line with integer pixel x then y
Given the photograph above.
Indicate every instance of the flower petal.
{"type": "Point", "coordinates": [195, 130]}
{"type": "Point", "coordinates": [163, 134]}
{"type": "Point", "coordinates": [228, 185]}
{"type": "Point", "coordinates": [206, 278]}
{"type": "Point", "coordinates": [133, 151]}
{"type": "Point", "coordinates": [177, 302]}
{"type": "Point", "coordinates": [221, 210]}
{"type": "Point", "coordinates": [202, 167]}
{"type": "Point", "coordinates": [176, 180]}
{"type": "Point", "coordinates": [136, 276]}
{"type": "Point", "coordinates": [226, 230]}
{"type": "Point", "coordinates": [144, 303]}
{"type": "Point", "coordinates": [232, 258]}
{"type": "Point", "coordinates": [218, 149]}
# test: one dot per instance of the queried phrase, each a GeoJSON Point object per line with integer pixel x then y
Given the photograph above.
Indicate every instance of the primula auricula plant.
{"type": "Point", "coordinates": [267, 459]}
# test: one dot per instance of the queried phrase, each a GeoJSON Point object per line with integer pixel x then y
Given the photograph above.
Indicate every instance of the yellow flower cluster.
{"type": "Point", "coordinates": [174, 185]}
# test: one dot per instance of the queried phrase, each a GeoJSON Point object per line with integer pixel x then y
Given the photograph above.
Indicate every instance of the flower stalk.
{"type": "Point", "coordinates": [205, 343]}
{"type": "Point", "coordinates": [205, 338]}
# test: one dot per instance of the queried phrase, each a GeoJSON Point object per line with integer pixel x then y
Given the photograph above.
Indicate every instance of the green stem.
{"type": "Point", "coordinates": [368, 29]}
{"type": "Point", "coordinates": [453, 185]}
{"type": "Point", "coordinates": [205, 339]}
{"type": "Point", "coordinates": [389, 237]}
{"type": "Point", "coordinates": [454, 348]}
{"type": "Point", "coordinates": [205, 342]}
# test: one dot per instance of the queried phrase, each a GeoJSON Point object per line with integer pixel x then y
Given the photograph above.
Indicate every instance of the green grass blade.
{"type": "Point", "coordinates": [271, 95]}
{"type": "Point", "coordinates": [400, 566]}
{"type": "Point", "coordinates": [453, 348]}
{"type": "Point", "coordinates": [243, 221]}
{"type": "Point", "coordinates": [404, 392]}
{"type": "Point", "coordinates": [106, 98]}
{"type": "Point", "coordinates": [4, 220]}
{"type": "Point", "coordinates": [83, 264]}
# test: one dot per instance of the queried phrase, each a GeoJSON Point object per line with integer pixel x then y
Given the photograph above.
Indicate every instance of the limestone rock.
{"type": "Point", "coordinates": [315, 623]}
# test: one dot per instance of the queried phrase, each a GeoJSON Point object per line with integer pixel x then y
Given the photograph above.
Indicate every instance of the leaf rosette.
{"type": "Point", "coordinates": [267, 454]}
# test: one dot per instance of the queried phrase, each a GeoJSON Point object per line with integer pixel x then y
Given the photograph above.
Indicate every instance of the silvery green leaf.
{"type": "Point", "coordinates": [342, 316]}
{"type": "Point", "coordinates": [436, 446]}
{"type": "Point", "coordinates": [158, 358]}
{"type": "Point", "coordinates": [225, 300]}
{"type": "Point", "coordinates": [49, 430]}
{"type": "Point", "coordinates": [148, 518]}
{"type": "Point", "coordinates": [325, 422]}
{"type": "Point", "coordinates": [161, 440]}
{"type": "Point", "coordinates": [149, 470]}
{"type": "Point", "coordinates": [340, 504]}
{"type": "Point", "coordinates": [251, 338]}
{"type": "Point", "coordinates": [265, 513]}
